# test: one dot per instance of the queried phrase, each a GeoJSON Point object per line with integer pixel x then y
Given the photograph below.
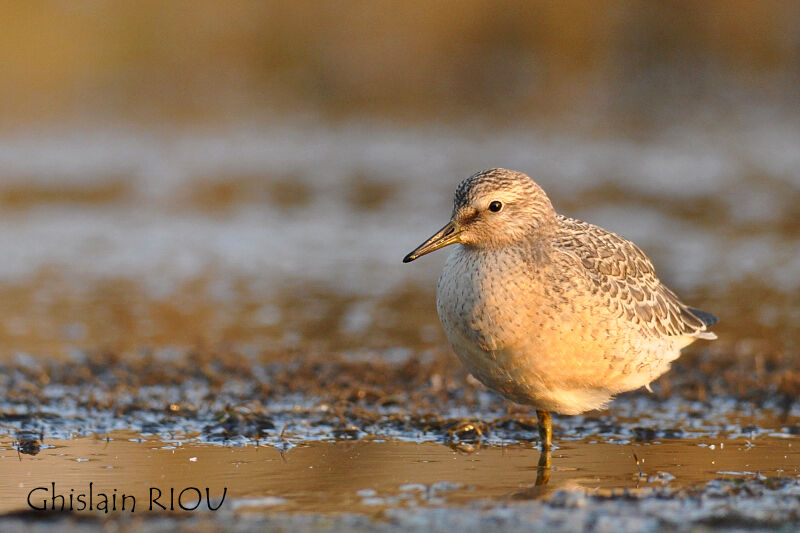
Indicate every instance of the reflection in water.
{"type": "Point", "coordinates": [367, 476]}
{"type": "Point", "coordinates": [545, 463]}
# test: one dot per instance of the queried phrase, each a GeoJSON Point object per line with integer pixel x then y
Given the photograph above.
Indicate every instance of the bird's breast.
{"type": "Point", "coordinates": [486, 300]}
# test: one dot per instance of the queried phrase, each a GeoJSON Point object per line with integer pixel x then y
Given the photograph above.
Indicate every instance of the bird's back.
{"type": "Point", "coordinates": [619, 274]}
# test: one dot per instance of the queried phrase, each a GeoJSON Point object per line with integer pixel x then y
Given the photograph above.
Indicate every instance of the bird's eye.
{"type": "Point", "coordinates": [495, 206]}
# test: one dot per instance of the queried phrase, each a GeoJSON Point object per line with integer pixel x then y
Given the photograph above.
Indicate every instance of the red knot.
{"type": "Point", "coordinates": [550, 311]}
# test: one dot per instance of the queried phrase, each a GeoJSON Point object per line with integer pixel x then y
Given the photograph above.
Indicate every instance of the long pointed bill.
{"type": "Point", "coordinates": [449, 234]}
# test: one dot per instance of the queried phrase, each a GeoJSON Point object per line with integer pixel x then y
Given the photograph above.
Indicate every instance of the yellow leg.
{"type": "Point", "coordinates": [545, 429]}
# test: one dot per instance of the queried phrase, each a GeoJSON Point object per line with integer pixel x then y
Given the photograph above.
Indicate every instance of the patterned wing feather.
{"type": "Point", "coordinates": [623, 274]}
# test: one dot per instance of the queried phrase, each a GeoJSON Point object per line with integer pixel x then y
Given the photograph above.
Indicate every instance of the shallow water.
{"type": "Point", "coordinates": [370, 475]}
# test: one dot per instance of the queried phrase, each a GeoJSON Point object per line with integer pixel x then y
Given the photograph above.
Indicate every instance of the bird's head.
{"type": "Point", "coordinates": [493, 208]}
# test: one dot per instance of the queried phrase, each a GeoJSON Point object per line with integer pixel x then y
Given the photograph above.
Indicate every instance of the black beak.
{"type": "Point", "coordinates": [449, 234]}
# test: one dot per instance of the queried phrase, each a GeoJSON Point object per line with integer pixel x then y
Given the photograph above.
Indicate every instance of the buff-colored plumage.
{"type": "Point", "coordinates": [547, 310]}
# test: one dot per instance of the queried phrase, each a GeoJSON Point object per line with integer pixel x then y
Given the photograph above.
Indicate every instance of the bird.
{"type": "Point", "coordinates": [547, 310]}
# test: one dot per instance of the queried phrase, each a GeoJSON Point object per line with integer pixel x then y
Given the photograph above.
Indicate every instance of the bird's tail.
{"type": "Point", "coordinates": [708, 320]}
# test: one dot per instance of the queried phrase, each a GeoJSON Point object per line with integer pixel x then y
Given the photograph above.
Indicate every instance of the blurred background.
{"type": "Point", "coordinates": [197, 173]}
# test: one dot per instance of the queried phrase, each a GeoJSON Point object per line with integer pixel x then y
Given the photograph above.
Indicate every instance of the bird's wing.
{"type": "Point", "coordinates": [622, 274]}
